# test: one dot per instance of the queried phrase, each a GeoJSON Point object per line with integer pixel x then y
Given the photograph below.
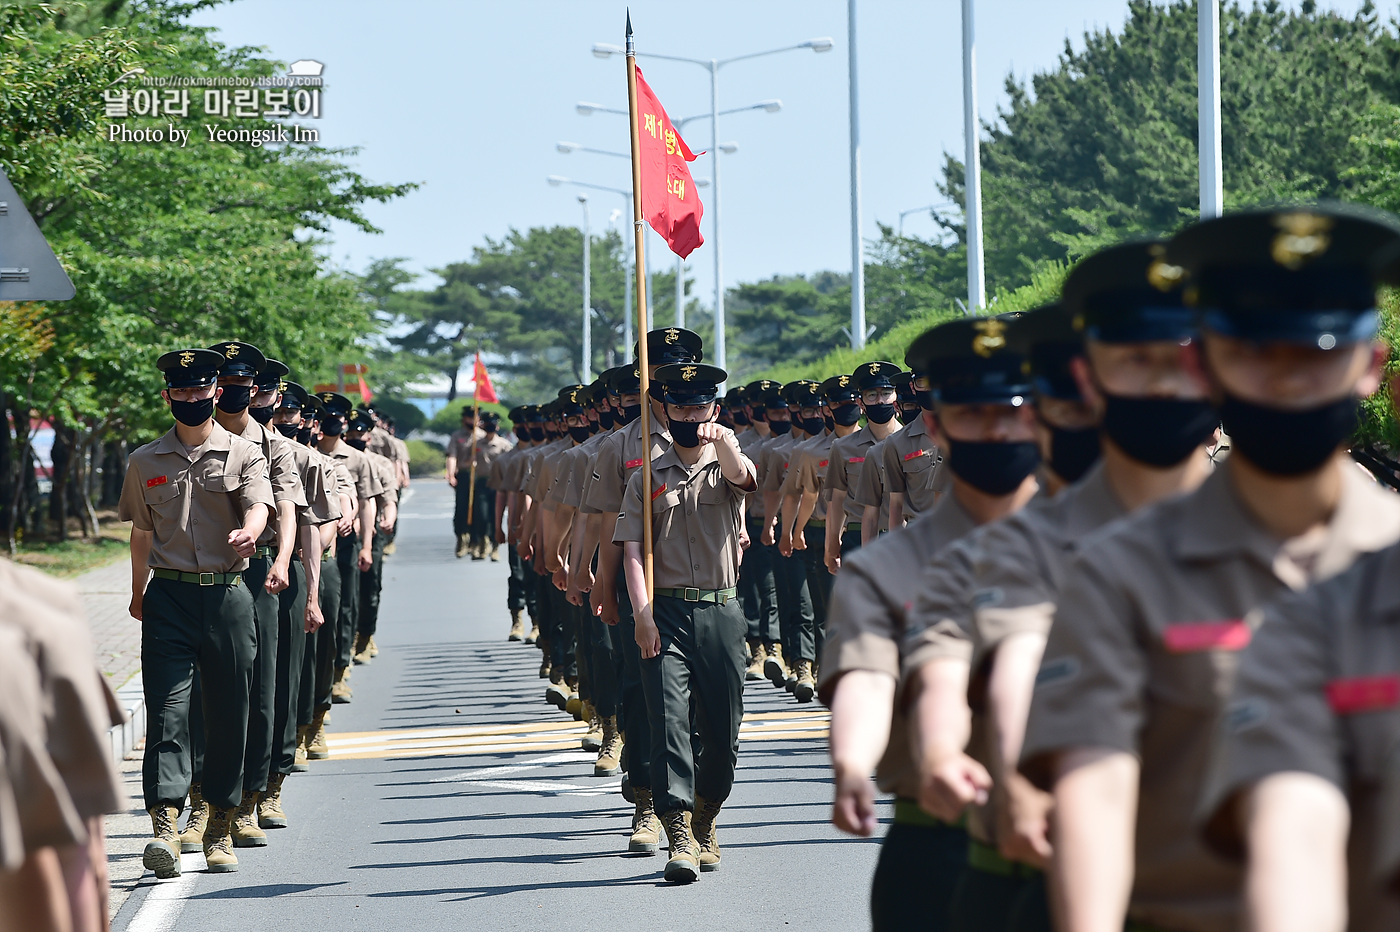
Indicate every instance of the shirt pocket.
{"type": "Point", "coordinates": [159, 497]}
{"type": "Point", "coordinates": [215, 481]}
{"type": "Point", "coordinates": [1194, 664]}
{"type": "Point", "coordinates": [919, 469]}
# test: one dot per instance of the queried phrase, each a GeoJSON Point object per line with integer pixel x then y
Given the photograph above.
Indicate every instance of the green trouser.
{"type": "Point", "coordinates": [920, 862]}
{"type": "Point", "coordinates": [562, 628]}
{"type": "Point", "coordinates": [818, 585]}
{"type": "Point", "coordinates": [262, 699]}
{"type": "Point", "coordinates": [795, 619]}
{"type": "Point", "coordinates": [634, 714]}
{"type": "Point", "coordinates": [604, 665]}
{"type": "Point", "coordinates": [517, 595]}
{"type": "Point", "coordinates": [994, 893]}
{"type": "Point", "coordinates": [850, 540]}
{"type": "Point", "coordinates": [758, 587]}
{"type": "Point", "coordinates": [323, 657]}
{"type": "Point", "coordinates": [696, 682]}
{"type": "Point", "coordinates": [187, 627]}
{"type": "Point", "coordinates": [291, 649]}
{"type": "Point", "coordinates": [483, 513]}
{"type": "Point", "coordinates": [371, 582]}
{"type": "Point", "coordinates": [461, 517]}
{"type": "Point", "coordinates": [347, 554]}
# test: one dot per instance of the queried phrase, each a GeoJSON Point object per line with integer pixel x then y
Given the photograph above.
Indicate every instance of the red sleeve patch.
{"type": "Point", "coordinates": [659, 492]}
{"type": "Point", "coordinates": [1363, 694]}
{"type": "Point", "coordinates": [1193, 636]}
{"type": "Point", "coordinates": [632, 464]}
{"type": "Point", "coordinates": [152, 483]}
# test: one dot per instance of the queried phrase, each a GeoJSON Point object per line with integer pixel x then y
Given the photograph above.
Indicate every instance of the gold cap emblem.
{"type": "Point", "coordinates": [688, 373]}
{"type": "Point", "coordinates": [186, 358]}
{"type": "Point", "coordinates": [231, 350]}
{"type": "Point", "coordinates": [281, 386]}
{"type": "Point", "coordinates": [573, 396]}
{"type": "Point", "coordinates": [672, 335]}
{"type": "Point", "coordinates": [844, 381]}
{"type": "Point", "coordinates": [874, 369]}
{"type": "Point", "coordinates": [991, 336]}
{"type": "Point", "coordinates": [1302, 237]}
{"type": "Point", "coordinates": [327, 397]}
{"type": "Point", "coordinates": [1164, 276]}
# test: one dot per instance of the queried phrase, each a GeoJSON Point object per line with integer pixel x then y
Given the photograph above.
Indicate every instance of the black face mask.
{"type": "Point", "coordinates": [993, 467]}
{"type": "Point", "coordinates": [536, 433]}
{"type": "Point", "coordinates": [1072, 452]}
{"type": "Point", "coordinates": [626, 414]}
{"type": "Point", "coordinates": [879, 414]}
{"type": "Point", "coordinates": [925, 399]}
{"type": "Point", "coordinates": [357, 444]}
{"type": "Point", "coordinates": [192, 413]}
{"type": "Point", "coordinates": [263, 415]}
{"type": "Point", "coordinates": [304, 435]}
{"type": "Point", "coordinates": [829, 421]}
{"type": "Point", "coordinates": [780, 427]}
{"type": "Point", "coordinates": [605, 419]}
{"type": "Point", "coordinates": [289, 431]}
{"type": "Point", "coordinates": [848, 414]}
{"type": "Point", "coordinates": [1288, 443]}
{"type": "Point", "coordinates": [234, 398]}
{"type": "Point", "coordinates": [740, 418]}
{"type": "Point", "coordinates": [580, 434]}
{"type": "Point", "coordinates": [551, 435]}
{"type": "Point", "coordinates": [759, 416]}
{"type": "Point", "coordinates": [686, 433]}
{"type": "Point", "coordinates": [1160, 432]}
{"type": "Point", "coordinates": [910, 413]}
{"type": "Point", "coordinates": [813, 425]}
{"type": "Point", "coordinates": [333, 426]}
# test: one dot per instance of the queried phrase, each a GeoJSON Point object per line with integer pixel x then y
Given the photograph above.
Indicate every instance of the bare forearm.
{"type": "Point", "coordinates": [869, 524]}
{"type": "Point", "coordinates": [940, 722]}
{"type": "Point", "coordinates": [367, 514]}
{"type": "Point", "coordinates": [309, 538]}
{"type": "Point", "coordinates": [1009, 692]}
{"type": "Point", "coordinates": [451, 466]}
{"type": "Point", "coordinates": [1296, 825]}
{"type": "Point", "coordinates": [896, 510]}
{"type": "Point", "coordinates": [771, 501]}
{"type": "Point", "coordinates": [140, 559]}
{"type": "Point", "coordinates": [635, 575]}
{"type": "Point", "coordinates": [861, 710]}
{"type": "Point", "coordinates": [286, 531]}
{"type": "Point", "coordinates": [255, 521]}
{"type": "Point", "coordinates": [805, 507]}
{"type": "Point", "coordinates": [1094, 837]}
{"type": "Point", "coordinates": [609, 554]}
{"type": "Point", "coordinates": [787, 520]}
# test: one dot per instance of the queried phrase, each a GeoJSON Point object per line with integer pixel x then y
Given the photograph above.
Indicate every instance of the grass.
{"type": "Point", "coordinates": [75, 556]}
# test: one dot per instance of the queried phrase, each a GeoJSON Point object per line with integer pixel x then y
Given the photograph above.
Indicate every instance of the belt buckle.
{"type": "Point", "coordinates": [690, 594]}
{"type": "Point", "coordinates": [206, 579]}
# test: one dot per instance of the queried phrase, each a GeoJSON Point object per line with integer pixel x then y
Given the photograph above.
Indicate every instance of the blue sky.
{"type": "Point", "coordinates": [470, 98]}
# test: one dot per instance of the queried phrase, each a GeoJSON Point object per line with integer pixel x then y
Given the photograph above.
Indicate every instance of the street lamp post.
{"type": "Point", "coordinates": [712, 65]}
{"type": "Point", "coordinates": [557, 180]}
{"type": "Point", "coordinates": [857, 249]}
{"type": "Point", "coordinates": [976, 274]}
{"type": "Point", "coordinates": [1208, 71]}
{"type": "Point", "coordinates": [586, 369]}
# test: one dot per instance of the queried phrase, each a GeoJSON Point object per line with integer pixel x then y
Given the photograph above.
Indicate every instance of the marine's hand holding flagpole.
{"type": "Point", "coordinates": [639, 267]}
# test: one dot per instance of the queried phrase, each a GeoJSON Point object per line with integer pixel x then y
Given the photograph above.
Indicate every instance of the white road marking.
{"type": "Point", "coordinates": [163, 905]}
{"type": "Point", "coordinates": [484, 773]}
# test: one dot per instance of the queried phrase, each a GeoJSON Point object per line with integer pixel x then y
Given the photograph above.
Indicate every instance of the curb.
{"type": "Point", "coordinates": [132, 700]}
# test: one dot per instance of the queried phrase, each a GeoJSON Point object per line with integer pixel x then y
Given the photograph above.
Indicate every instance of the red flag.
{"type": "Point", "coordinates": [484, 389]}
{"type": "Point", "coordinates": [670, 201]}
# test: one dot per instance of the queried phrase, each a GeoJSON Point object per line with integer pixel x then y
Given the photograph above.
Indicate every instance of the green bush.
{"type": "Point", "coordinates": [425, 459]}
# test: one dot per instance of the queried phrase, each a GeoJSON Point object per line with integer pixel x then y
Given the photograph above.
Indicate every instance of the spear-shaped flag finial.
{"type": "Point", "coordinates": [629, 22]}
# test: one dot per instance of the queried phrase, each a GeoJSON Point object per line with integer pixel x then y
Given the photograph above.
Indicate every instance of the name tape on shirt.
{"type": "Point", "coordinates": [632, 464]}
{"type": "Point", "coordinates": [659, 492]}
{"type": "Point", "coordinates": [1363, 694]}
{"type": "Point", "coordinates": [158, 480]}
{"type": "Point", "coordinates": [914, 453]}
{"type": "Point", "coordinates": [856, 459]}
{"type": "Point", "coordinates": [822, 463]}
{"type": "Point", "coordinates": [1194, 636]}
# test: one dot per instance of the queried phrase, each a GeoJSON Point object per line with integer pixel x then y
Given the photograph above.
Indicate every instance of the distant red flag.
{"type": "Point", "coordinates": [484, 390]}
{"type": "Point", "coordinates": [670, 201]}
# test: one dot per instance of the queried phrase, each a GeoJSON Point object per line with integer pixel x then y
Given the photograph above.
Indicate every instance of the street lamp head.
{"type": "Point", "coordinates": [823, 44]}
{"type": "Point", "coordinates": [607, 50]}
{"type": "Point", "coordinates": [566, 147]}
{"type": "Point", "coordinates": [771, 106]}
{"type": "Point", "coordinates": [728, 148]}
{"type": "Point", "coordinates": [583, 198]}
{"type": "Point", "coordinates": [556, 180]}
{"type": "Point", "coordinates": [585, 108]}
{"type": "Point", "coordinates": [702, 182]}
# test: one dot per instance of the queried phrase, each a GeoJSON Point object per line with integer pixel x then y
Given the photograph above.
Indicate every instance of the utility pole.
{"type": "Point", "coordinates": [976, 270]}
{"type": "Point", "coordinates": [1208, 72]}
{"type": "Point", "coordinates": [857, 247]}
{"type": "Point", "coordinates": [586, 368]}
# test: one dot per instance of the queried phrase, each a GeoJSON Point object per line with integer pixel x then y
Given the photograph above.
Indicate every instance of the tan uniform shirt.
{"type": "Point", "coordinates": [911, 467]}
{"type": "Point", "coordinates": [319, 486]}
{"type": "Point", "coordinates": [1151, 618]}
{"type": "Point", "coordinates": [459, 446]}
{"type": "Point", "coordinates": [388, 477]}
{"type": "Point", "coordinates": [697, 518]}
{"type": "Point", "coordinates": [380, 442]}
{"type": "Point", "coordinates": [496, 475]}
{"type": "Point", "coordinates": [619, 458]}
{"type": "Point", "coordinates": [282, 471]}
{"type": "Point", "coordinates": [35, 808]}
{"type": "Point", "coordinates": [363, 475]}
{"type": "Point", "coordinates": [581, 465]}
{"type": "Point", "coordinates": [77, 706]}
{"type": "Point", "coordinates": [868, 613]}
{"type": "Point", "coordinates": [547, 468]}
{"type": "Point", "coordinates": [844, 463]}
{"type": "Point", "coordinates": [807, 464]}
{"type": "Point", "coordinates": [869, 487]}
{"type": "Point", "coordinates": [191, 501]}
{"type": "Point", "coordinates": [754, 451]}
{"type": "Point", "coordinates": [1318, 691]}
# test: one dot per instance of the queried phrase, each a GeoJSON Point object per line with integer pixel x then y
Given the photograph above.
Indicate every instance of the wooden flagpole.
{"type": "Point", "coordinates": [476, 421]}
{"type": "Point", "coordinates": [641, 291]}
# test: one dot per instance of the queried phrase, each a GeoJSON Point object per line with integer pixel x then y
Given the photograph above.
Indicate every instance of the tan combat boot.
{"type": "Point", "coordinates": [316, 746]}
{"type": "Point", "coordinates": [684, 865]}
{"type": "Point", "coordinates": [534, 635]}
{"type": "Point", "coordinates": [517, 626]}
{"type": "Point", "coordinates": [192, 838]}
{"type": "Point", "coordinates": [218, 844]}
{"type": "Point", "coordinates": [340, 689]}
{"type": "Point", "coordinates": [558, 692]}
{"type": "Point", "coordinates": [774, 668]}
{"type": "Point", "coordinates": [270, 814]}
{"type": "Point", "coordinates": [162, 853]}
{"type": "Point", "coordinates": [646, 827]}
{"type": "Point", "coordinates": [299, 758]}
{"type": "Point", "coordinates": [760, 657]}
{"type": "Point", "coordinates": [361, 655]}
{"type": "Point", "coordinates": [477, 550]}
{"type": "Point", "coordinates": [373, 647]}
{"type": "Point", "coordinates": [495, 552]}
{"type": "Point", "coordinates": [461, 545]}
{"type": "Point", "coordinates": [574, 706]}
{"type": "Point", "coordinates": [245, 830]}
{"type": "Point", "coordinates": [610, 754]}
{"type": "Point", "coordinates": [593, 740]}
{"type": "Point", "coordinates": [702, 825]}
{"type": "Point", "coordinates": [806, 686]}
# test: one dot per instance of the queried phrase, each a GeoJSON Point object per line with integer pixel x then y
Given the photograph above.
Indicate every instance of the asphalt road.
{"type": "Point", "coordinates": [456, 798]}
